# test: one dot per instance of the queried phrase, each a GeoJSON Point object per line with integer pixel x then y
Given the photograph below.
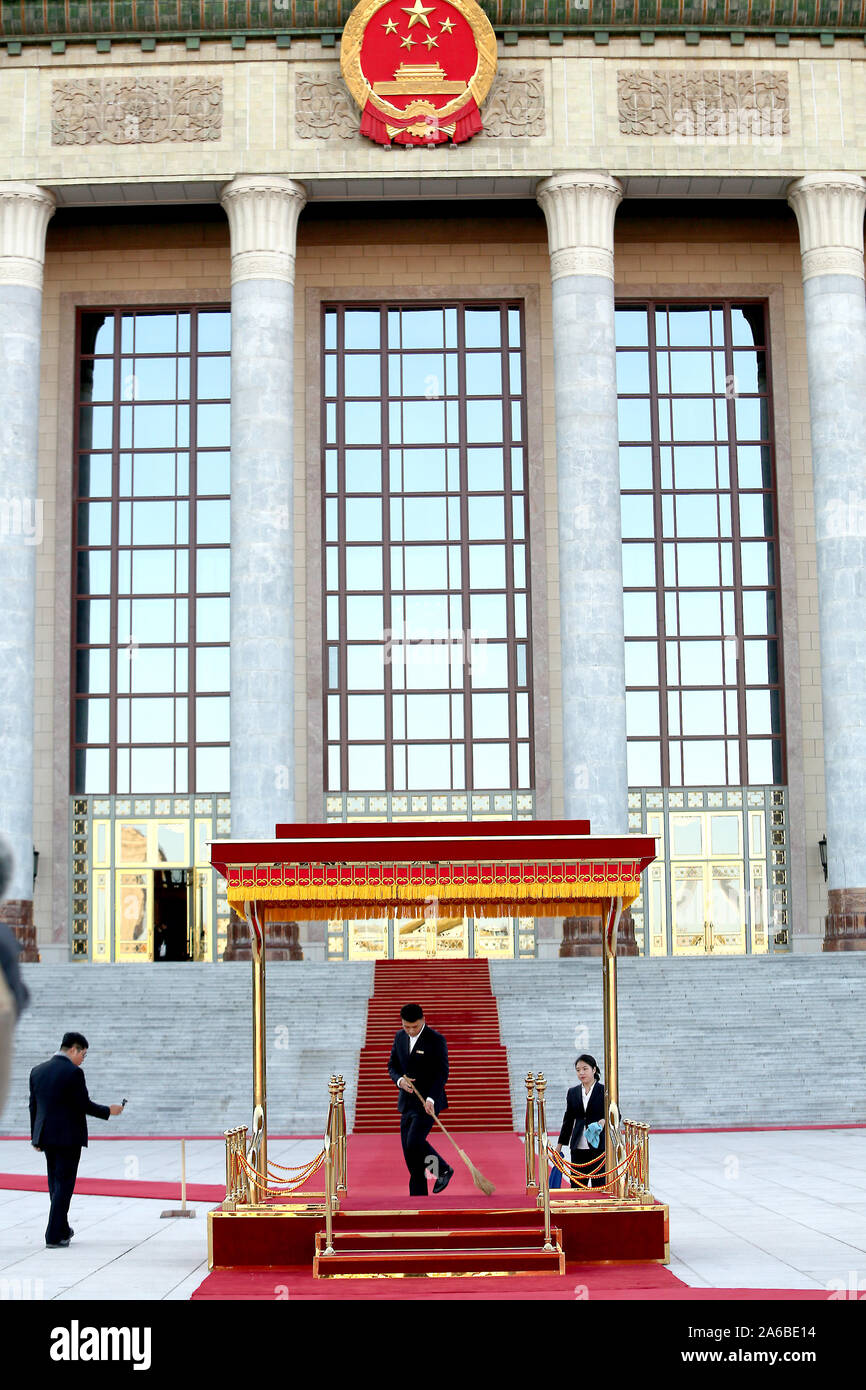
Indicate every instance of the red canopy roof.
{"type": "Point", "coordinates": [484, 868]}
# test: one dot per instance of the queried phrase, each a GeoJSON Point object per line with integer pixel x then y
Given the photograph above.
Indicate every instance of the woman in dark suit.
{"type": "Point", "coordinates": [584, 1109]}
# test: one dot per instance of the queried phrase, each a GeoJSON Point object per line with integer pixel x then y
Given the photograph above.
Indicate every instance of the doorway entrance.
{"type": "Point", "coordinates": [172, 919]}
{"type": "Point", "coordinates": [155, 915]}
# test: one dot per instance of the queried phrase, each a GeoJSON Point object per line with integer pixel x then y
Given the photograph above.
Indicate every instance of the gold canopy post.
{"type": "Point", "coordinates": [260, 1101]}
{"type": "Point", "coordinates": [614, 1148]}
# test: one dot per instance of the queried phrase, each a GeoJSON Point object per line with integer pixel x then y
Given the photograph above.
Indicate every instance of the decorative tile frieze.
{"type": "Point", "coordinates": [707, 104]}
{"type": "Point", "coordinates": [136, 110]}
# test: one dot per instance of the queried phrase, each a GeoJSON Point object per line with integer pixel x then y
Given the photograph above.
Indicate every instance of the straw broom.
{"type": "Point", "coordinates": [483, 1184]}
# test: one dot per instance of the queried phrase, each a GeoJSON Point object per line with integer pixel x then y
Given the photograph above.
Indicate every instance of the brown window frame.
{"type": "Point", "coordinates": [664, 689]}
{"type": "Point", "coordinates": [511, 641]}
{"type": "Point", "coordinates": [191, 545]}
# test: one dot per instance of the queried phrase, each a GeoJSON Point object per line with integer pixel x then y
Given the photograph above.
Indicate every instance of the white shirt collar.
{"type": "Point", "coordinates": [412, 1041]}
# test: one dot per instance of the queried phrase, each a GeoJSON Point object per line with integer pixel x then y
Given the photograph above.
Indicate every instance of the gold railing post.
{"type": "Point", "coordinates": [330, 1194]}
{"type": "Point", "coordinates": [342, 1142]}
{"type": "Point", "coordinates": [543, 1163]}
{"type": "Point", "coordinates": [645, 1176]}
{"type": "Point", "coordinates": [235, 1174]}
{"type": "Point", "coordinates": [529, 1134]}
{"type": "Point", "coordinates": [614, 1148]}
{"type": "Point", "coordinates": [229, 1203]}
{"type": "Point", "coordinates": [260, 1103]}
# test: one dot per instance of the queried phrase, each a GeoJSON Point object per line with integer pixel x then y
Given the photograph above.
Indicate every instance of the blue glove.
{"type": "Point", "coordinates": [593, 1133]}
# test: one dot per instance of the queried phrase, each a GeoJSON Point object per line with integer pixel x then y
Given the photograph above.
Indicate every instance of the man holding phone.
{"type": "Point", "coordinates": [59, 1106]}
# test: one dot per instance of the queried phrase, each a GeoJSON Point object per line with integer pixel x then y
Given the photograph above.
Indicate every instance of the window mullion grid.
{"type": "Point", "coordinates": [326, 684]}
{"type": "Point", "coordinates": [777, 584]}
{"type": "Point", "coordinates": [342, 605]}
{"type": "Point", "coordinates": [113, 653]}
{"type": "Point", "coordinates": [464, 550]}
{"type": "Point", "coordinates": [733, 476]}
{"type": "Point", "coordinates": [192, 560]}
{"type": "Point", "coordinates": [76, 597]}
{"type": "Point", "coordinates": [387, 610]}
{"type": "Point", "coordinates": [658, 527]}
{"type": "Point", "coordinates": [510, 583]}
{"type": "Point", "coordinates": [530, 686]}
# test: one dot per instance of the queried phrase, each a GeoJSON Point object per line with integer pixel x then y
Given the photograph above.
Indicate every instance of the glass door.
{"type": "Point", "coordinates": [708, 884]}
{"type": "Point", "coordinates": [133, 926]}
{"type": "Point", "coordinates": [430, 938]}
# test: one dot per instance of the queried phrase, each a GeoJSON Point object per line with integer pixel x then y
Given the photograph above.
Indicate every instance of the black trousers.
{"type": "Point", "coordinates": [62, 1160]}
{"type": "Point", "coordinates": [591, 1171]}
{"type": "Point", "coordinates": [421, 1158]}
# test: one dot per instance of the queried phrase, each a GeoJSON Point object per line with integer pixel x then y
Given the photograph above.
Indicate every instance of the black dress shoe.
{"type": "Point", "coordinates": [56, 1244]}
{"type": "Point", "coordinates": [443, 1180]}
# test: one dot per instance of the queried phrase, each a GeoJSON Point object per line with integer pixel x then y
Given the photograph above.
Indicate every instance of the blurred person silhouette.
{"type": "Point", "coordinates": [14, 995]}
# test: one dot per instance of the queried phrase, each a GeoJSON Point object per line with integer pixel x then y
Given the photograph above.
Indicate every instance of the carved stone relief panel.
{"type": "Point", "coordinates": [324, 110]}
{"type": "Point", "coordinates": [515, 106]}
{"type": "Point", "coordinates": [136, 110]}
{"type": "Point", "coordinates": [704, 104]}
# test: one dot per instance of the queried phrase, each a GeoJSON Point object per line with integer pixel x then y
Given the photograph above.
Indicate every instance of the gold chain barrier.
{"type": "Point", "coordinates": [636, 1138]}
{"type": "Point", "coordinates": [244, 1186]}
{"type": "Point", "coordinates": [543, 1175]}
{"type": "Point", "coordinates": [630, 1175]}
{"type": "Point", "coordinates": [529, 1135]}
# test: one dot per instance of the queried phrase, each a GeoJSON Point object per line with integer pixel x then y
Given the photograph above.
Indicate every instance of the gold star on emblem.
{"type": "Point", "coordinates": [447, 25]}
{"type": "Point", "coordinates": [418, 13]}
{"type": "Point", "coordinates": [390, 27]}
{"type": "Point", "coordinates": [431, 42]}
{"type": "Point", "coordinates": [407, 42]}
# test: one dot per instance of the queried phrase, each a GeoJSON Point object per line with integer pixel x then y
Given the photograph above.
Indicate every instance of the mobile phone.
{"type": "Point", "coordinates": [123, 1103]}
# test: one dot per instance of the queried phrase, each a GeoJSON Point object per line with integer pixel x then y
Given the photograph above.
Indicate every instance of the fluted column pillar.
{"type": "Point", "coordinates": [829, 210]}
{"type": "Point", "coordinates": [580, 210]}
{"type": "Point", "coordinates": [25, 210]}
{"type": "Point", "coordinates": [263, 212]}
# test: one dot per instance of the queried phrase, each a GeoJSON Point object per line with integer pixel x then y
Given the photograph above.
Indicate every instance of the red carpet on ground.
{"type": "Point", "coordinates": [457, 1001]}
{"type": "Point", "coordinates": [118, 1187]}
{"type": "Point", "coordinates": [620, 1283]}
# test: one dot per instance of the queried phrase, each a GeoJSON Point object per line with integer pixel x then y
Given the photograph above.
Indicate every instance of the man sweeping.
{"type": "Point", "coordinates": [418, 1066]}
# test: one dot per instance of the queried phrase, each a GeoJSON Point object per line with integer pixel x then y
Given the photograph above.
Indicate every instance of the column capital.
{"type": "Point", "coordinates": [263, 212]}
{"type": "Point", "coordinates": [829, 210]}
{"type": "Point", "coordinates": [580, 209]}
{"type": "Point", "coordinates": [25, 210]}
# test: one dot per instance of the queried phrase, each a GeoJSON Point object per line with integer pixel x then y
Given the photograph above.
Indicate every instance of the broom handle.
{"type": "Point", "coordinates": [435, 1117]}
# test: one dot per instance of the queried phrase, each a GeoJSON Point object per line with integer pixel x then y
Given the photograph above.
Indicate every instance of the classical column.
{"type": "Point", "coordinates": [263, 212]}
{"type": "Point", "coordinates": [580, 211]}
{"type": "Point", "coordinates": [829, 210]}
{"type": "Point", "coordinates": [25, 210]}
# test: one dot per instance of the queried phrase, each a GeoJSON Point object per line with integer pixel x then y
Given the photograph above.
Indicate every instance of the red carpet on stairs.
{"type": "Point", "coordinates": [457, 1001]}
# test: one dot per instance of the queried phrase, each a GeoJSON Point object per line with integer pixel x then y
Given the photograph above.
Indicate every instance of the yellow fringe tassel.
{"type": "Point", "coordinates": [484, 899]}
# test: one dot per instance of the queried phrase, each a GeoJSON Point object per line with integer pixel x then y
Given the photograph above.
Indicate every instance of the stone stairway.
{"type": "Point", "coordinates": [177, 1040]}
{"type": "Point", "coordinates": [456, 999]}
{"type": "Point", "coordinates": [702, 1042]}
{"type": "Point", "coordinates": [731, 1041]}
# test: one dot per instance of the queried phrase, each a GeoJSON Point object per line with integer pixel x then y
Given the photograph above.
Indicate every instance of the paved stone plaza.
{"type": "Point", "coordinates": [774, 1210]}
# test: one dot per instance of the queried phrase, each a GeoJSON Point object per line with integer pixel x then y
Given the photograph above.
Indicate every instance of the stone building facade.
{"type": "Point", "coordinates": [644, 279]}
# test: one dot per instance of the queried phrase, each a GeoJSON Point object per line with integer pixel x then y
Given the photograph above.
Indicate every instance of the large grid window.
{"type": "Point", "coordinates": [151, 577]}
{"type": "Point", "coordinates": [700, 550]}
{"type": "Point", "coordinates": [427, 654]}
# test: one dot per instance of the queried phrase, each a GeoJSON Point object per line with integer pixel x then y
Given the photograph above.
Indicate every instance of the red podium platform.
{"type": "Point", "coordinates": [380, 1231]}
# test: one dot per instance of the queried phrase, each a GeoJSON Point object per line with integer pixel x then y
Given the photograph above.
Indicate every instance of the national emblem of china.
{"type": "Point", "coordinates": [418, 69]}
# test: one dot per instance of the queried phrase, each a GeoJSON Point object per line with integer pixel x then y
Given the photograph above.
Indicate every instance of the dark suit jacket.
{"type": "Point", "coordinates": [576, 1118]}
{"type": "Point", "coordinates": [427, 1066]}
{"type": "Point", "coordinates": [59, 1104]}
